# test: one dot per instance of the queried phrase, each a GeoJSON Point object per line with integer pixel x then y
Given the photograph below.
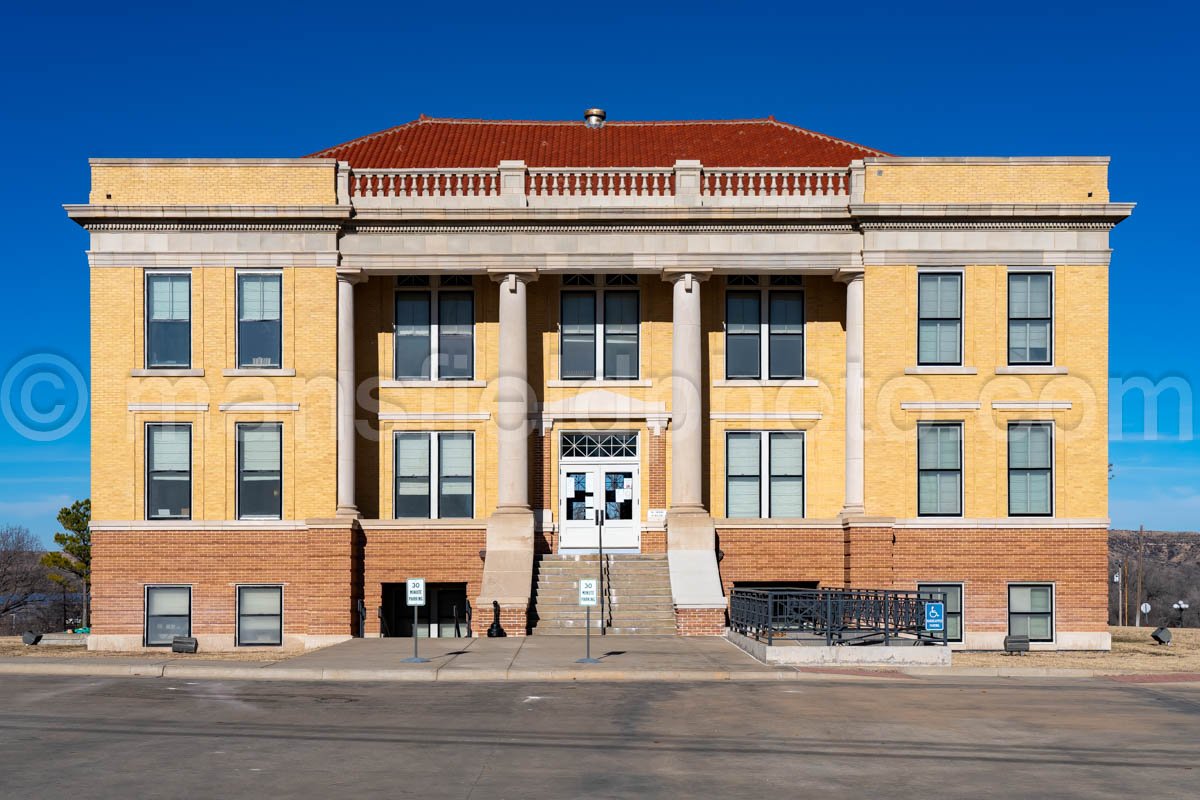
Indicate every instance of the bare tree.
{"type": "Point", "coordinates": [22, 577]}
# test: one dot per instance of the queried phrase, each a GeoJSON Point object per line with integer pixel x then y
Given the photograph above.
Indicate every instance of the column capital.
{"type": "Point", "coordinates": [675, 274]}
{"type": "Point", "coordinates": [849, 274]}
{"type": "Point", "coordinates": [511, 275]}
{"type": "Point", "coordinates": [352, 277]}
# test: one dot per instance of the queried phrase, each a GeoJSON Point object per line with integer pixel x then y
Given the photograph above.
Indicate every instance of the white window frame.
{"type": "Point", "coordinates": [433, 289]}
{"type": "Point", "coordinates": [237, 470]}
{"type": "Point", "coordinates": [1008, 612]}
{"type": "Point", "coordinates": [764, 472]}
{"type": "Point", "coordinates": [237, 614]}
{"type": "Point", "coordinates": [764, 328]}
{"type": "Point", "coordinates": [962, 466]}
{"type": "Point", "coordinates": [1008, 318]}
{"type": "Point", "coordinates": [435, 475]}
{"type": "Point", "coordinates": [146, 469]}
{"type": "Point", "coordinates": [146, 610]}
{"type": "Point", "coordinates": [962, 605]}
{"type": "Point", "coordinates": [962, 315]}
{"type": "Point", "coordinates": [598, 291]}
{"type": "Point", "coordinates": [147, 274]}
{"type": "Point", "coordinates": [1008, 465]}
{"type": "Point", "coordinates": [237, 322]}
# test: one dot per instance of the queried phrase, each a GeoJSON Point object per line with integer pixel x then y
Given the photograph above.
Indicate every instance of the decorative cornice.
{"type": "Point", "coordinates": [940, 406]}
{"type": "Point", "coordinates": [259, 408]}
{"type": "Point", "coordinates": [202, 259]}
{"type": "Point", "coordinates": [360, 226]}
{"type": "Point", "coordinates": [766, 416]}
{"type": "Point", "coordinates": [168, 408]}
{"type": "Point", "coordinates": [989, 225]}
{"type": "Point", "coordinates": [218, 227]}
{"type": "Point", "coordinates": [433, 416]}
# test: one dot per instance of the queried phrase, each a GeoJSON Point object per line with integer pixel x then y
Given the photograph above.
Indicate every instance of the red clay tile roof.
{"type": "Point", "coordinates": [428, 143]}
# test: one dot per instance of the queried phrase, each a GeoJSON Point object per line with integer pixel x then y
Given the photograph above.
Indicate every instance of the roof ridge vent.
{"type": "Point", "coordinates": [594, 117]}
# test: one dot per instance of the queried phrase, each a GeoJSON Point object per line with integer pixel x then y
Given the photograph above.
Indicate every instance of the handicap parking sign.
{"type": "Point", "coordinates": [935, 617]}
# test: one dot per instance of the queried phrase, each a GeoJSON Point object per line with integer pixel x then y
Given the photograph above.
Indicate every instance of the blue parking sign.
{"type": "Point", "coordinates": [935, 617]}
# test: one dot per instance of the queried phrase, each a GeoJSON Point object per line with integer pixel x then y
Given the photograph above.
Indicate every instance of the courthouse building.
{"type": "Point", "coordinates": [733, 353]}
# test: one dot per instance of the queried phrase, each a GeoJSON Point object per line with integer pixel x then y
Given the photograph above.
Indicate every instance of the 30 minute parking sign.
{"type": "Point", "coordinates": [588, 592]}
{"type": "Point", "coordinates": [416, 591]}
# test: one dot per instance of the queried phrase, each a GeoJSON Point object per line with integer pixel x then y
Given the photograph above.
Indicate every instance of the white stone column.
{"type": "Point", "coordinates": [686, 417]}
{"type": "Point", "coordinates": [508, 562]}
{"type": "Point", "coordinates": [855, 420]}
{"type": "Point", "coordinates": [346, 504]}
{"type": "Point", "coordinates": [513, 399]}
{"type": "Point", "coordinates": [691, 534]}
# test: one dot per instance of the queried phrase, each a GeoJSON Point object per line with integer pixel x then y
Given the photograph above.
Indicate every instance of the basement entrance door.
{"type": "Point", "coordinates": [599, 475]}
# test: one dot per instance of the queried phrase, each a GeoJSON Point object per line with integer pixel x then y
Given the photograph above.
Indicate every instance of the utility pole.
{"type": "Point", "coordinates": [1125, 589]}
{"type": "Point", "coordinates": [1141, 549]}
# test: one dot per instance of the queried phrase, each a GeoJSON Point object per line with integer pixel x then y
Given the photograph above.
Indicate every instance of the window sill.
{"type": "Point", "coordinates": [166, 372]}
{"type": "Point", "coordinates": [258, 372]}
{"type": "Point", "coordinates": [802, 383]}
{"type": "Point", "coordinates": [560, 384]}
{"type": "Point", "coordinates": [1031, 369]}
{"type": "Point", "coordinates": [420, 384]}
{"type": "Point", "coordinates": [937, 370]}
{"type": "Point", "coordinates": [421, 523]}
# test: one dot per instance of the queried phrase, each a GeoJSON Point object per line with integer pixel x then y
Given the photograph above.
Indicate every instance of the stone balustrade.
{"type": "Point", "coordinates": [512, 184]}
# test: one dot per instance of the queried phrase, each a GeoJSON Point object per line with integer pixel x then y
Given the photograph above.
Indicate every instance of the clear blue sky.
{"type": "Point", "coordinates": [247, 79]}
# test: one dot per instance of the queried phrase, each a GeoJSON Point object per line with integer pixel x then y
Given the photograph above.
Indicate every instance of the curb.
{"type": "Point", "coordinates": [447, 675]}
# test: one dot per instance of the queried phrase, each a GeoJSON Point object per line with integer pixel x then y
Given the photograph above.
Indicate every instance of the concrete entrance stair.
{"type": "Point", "coordinates": [636, 592]}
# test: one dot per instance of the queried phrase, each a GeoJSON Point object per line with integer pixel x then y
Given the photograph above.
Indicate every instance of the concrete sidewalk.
{"type": "Point", "coordinates": [536, 658]}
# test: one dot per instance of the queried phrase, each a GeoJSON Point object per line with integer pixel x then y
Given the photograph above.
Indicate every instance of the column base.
{"type": "Point", "coordinates": [692, 556]}
{"type": "Point", "coordinates": [350, 512]}
{"type": "Point", "coordinates": [507, 572]}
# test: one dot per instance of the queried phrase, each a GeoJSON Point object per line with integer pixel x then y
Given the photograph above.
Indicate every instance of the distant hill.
{"type": "Point", "coordinates": [1171, 572]}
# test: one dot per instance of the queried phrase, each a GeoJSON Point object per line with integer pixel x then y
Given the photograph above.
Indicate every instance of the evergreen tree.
{"type": "Point", "coordinates": [74, 562]}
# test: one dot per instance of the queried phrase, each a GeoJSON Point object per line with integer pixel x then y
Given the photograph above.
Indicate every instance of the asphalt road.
{"type": "Point", "coordinates": [141, 738]}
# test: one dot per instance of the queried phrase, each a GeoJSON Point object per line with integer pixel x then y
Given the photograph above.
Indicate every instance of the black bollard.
{"type": "Point", "coordinates": [495, 631]}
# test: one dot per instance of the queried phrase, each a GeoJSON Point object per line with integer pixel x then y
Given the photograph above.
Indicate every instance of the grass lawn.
{"type": "Point", "coordinates": [1133, 651]}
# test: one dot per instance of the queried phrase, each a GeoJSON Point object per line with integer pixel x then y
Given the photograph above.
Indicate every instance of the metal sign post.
{"type": "Point", "coordinates": [416, 599]}
{"type": "Point", "coordinates": [588, 597]}
{"type": "Point", "coordinates": [600, 538]}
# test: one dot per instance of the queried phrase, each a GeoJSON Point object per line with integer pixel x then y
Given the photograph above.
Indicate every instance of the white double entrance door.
{"type": "Point", "coordinates": [599, 499]}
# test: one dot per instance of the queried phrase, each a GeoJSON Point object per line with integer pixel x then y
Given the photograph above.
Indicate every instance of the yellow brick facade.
{"type": "Point", "coordinates": [118, 423]}
{"type": "Point", "coordinates": [1080, 330]}
{"type": "Point", "coordinates": [1015, 181]}
{"type": "Point", "coordinates": [290, 182]}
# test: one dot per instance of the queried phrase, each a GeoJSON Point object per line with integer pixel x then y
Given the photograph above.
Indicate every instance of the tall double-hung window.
{"type": "Point", "coordinates": [939, 469]}
{"type": "Point", "coordinates": [939, 324]}
{"type": "Point", "coordinates": [260, 470]}
{"type": "Point", "coordinates": [260, 320]}
{"type": "Point", "coordinates": [764, 328]}
{"type": "Point", "coordinates": [1030, 318]}
{"type": "Point", "coordinates": [1030, 469]}
{"type": "Point", "coordinates": [168, 471]}
{"type": "Point", "coordinates": [598, 336]}
{"type": "Point", "coordinates": [435, 475]}
{"type": "Point", "coordinates": [764, 474]}
{"type": "Point", "coordinates": [168, 320]}
{"type": "Point", "coordinates": [435, 328]}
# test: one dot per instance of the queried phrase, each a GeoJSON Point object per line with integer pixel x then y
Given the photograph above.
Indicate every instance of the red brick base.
{"type": "Point", "coordinates": [699, 621]}
{"type": "Point", "coordinates": [513, 619]}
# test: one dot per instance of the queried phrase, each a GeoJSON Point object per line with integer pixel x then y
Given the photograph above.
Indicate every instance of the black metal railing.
{"type": "Point", "coordinates": [839, 616]}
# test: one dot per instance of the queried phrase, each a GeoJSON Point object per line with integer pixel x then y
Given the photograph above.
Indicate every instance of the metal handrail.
{"type": "Point", "coordinates": [840, 616]}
